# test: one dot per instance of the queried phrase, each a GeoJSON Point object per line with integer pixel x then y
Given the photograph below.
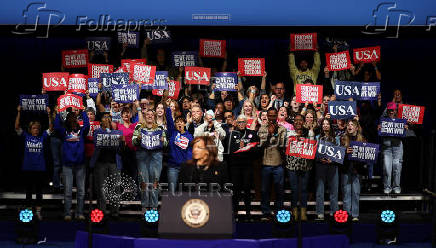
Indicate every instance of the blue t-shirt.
{"type": "Point", "coordinates": [34, 152]}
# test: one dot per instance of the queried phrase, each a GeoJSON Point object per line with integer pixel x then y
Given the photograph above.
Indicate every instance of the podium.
{"type": "Point", "coordinates": [189, 215]}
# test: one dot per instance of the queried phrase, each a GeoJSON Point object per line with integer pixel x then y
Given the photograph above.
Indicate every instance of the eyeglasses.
{"type": "Point", "coordinates": [241, 122]}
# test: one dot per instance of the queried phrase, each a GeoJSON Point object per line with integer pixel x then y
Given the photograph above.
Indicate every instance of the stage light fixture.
{"type": "Point", "coordinates": [341, 216]}
{"type": "Point", "coordinates": [283, 216]}
{"type": "Point", "coordinates": [96, 215]}
{"type": "Point", "coordinates": [387, 216]}
{"type": "Point", "coordinates": [26, 215]}
{"type": "Point", "coordinates": [151, 216]}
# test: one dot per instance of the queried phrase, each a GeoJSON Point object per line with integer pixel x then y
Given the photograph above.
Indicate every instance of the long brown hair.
{"type": "Point", "coordinates": [346, 138]}
{"type": "Point", "coordinates": [210, 146]}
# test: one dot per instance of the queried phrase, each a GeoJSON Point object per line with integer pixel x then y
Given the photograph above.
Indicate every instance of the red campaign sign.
{"type": "Point", "coordinates": [413, 114]}
{"type": "Point", "coordinates": [55, 81]}
{"type": "Point", "coordinates": [301, 147]}
{"type": "Point", "coordinates": [125, 63]}
{"type": "Point", "coordinates": [309, 93]}
{"type": "Point", "coordinates": [251, 66]}
{"type": "Point", "coordinates": [70, 100]}
{"type": "Point", "coordinates": [143, 74]}
{"type": "Point", "coordinates": [94, 70]}
{"type": "Point", "coordinates": [173, 90]}
{"type": "Point", "coordinates": [78, 83]}
{"type": "Point", "coordinates": [197, 75]}
{"type": "Point", "coordinates": [303, 42]}
{"type": "Point", "coordinates": [74, 58]}
{"type": "Point", "coordinates": [93, 125]}
{"type": "Point", "coordinates": [366, 54]}
{"type": "Point", "coordinates": [338, 61]}
{"type": "Point", "coordinates": [212, 48]}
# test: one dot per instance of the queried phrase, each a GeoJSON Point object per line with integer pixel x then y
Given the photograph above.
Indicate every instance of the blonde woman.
{"type": "Point", "coordinates": [249, 111]}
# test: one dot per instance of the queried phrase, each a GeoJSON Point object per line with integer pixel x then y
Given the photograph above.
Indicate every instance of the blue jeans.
{"type": "Point", "coordinates": [351, 191]}
{"type": "Point", "coordinates": [56, 153]}
{"type": "Point", "coordinates": [80, 173]}
{"type": "Point", "coordinates": [392, 151]}
{"type": "Point", "coordinates": [326, 174]}
{"type": "Point", "coordinates": [294, 176]}
{"type": "Point", "coordinates": [277, 174]}
{"type": "Point", "coordinates": [173, 176]}
{"type": "Point", "coordinates": [149, 169]}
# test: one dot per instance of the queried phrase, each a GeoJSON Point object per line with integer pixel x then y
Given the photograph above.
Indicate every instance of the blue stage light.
{"type": "Point", "coordinates": [151, 216]}
{"type": "Point", "coordinates": [387, 216]}
{"type": "Point", "coordinates": [283, 216]}
{"type": "Point", "coordinates": [26, 215]}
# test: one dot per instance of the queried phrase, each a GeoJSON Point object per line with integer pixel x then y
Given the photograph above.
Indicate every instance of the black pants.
{"type": "Point", "coordinates": [34, 181]}
{"type": "Point", "coordinates": [129, 164]}
{"type": "Point", "coordinates": [242, 178]}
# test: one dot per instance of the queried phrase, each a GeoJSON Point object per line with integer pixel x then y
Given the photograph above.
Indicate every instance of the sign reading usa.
{"type": "Point", "coordinates": [303, 42]}
{"type": "Point", "coordinates": [309, 93]}
{"type": "Point", "coordinates": [70, 101]}
{"type": "Point", "coordinates": [338, 61]}
{"type": "Point", "coordinates": [413, 114]}
{"type": "Point", "coordinates": [342, 109]}
{"type": "Point", "coordinates": [212, 48]}
{"type": "Point", "coordinates": [55, 81]}
{"type": "Point", "coordinates": [197, 75]}
{"type": "Point", "coordinates": [74, 58]}
{"type": "Point", "coordinates": [94, 70]}
{"type": "Point", "coordinates": [301, 147]}
{"type": "Point", "coordinates": [366, 54]}
{"type": "Point", "coordinates": [251, 66]}
{"type": "Point", "coordinates": [98, 44]}
{"type": "Point", "coordinates": [328, 150]}
{"type": "Point", "coordinates": [345, 90]}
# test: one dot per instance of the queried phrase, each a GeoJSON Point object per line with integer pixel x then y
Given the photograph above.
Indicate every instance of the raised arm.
{"type": "Point", "coordinates": [316, 64]}
{"type": "Point", "coordinates": [292, 67]}
{"type": "Point", "coordinates": [17, 119]}
{"type": "Point", "coordinates": [100, 106]}
{"type": "Point", "coordinates": [85, 128]}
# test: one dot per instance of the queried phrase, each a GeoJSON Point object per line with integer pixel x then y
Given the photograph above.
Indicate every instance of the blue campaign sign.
{"type": "Point", "coordinates": [131, 38]}
{"type": "Point", "coordinates": [110, 79]}
{"type": "Point", "coordinates": [342, 109]}
{"type": "Point", "coordinates": [160, 80]}
{"type": "Point", "coordinates": [151, 140]}
{"type": "Point", "coordinates": [184, 58]}
{"type": "Point", "coordinates": [345, 90]}
{"type": "Point", "coordinates": [107, 137]}
{"type": "Point", "coordinates": [34, 102]}
{"type": "Point", "coordinates": [98, 44]}
{"type": "Point", "coordinates": [364, 152]}
{"type": "Point", "coordinates": [392, 127]}
{"type": "Point", "coordinates": [226, 81]}
{"type": "Point", "coordinates": [93, 86]}
{"type": "Point", "coordinates": [158, 36]}
{"type": "Point", "coordinates": [125, 93]}
{"type": "Point", "coordinates": [330, 151]}
{"type": "Point", "coordinates": [96, 15]}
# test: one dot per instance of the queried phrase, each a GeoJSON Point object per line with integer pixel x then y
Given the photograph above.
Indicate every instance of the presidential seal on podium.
{"type": "Point", "coordinates": [195, 213]}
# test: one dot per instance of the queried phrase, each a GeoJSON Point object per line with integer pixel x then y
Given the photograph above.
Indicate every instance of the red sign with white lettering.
{"type": "Point", "coordinates": [309, 93]}
{"type": "Point", "coordinates": [55, 81]}
{"type": "Point", "coordinates": [74, 58]}
{"type": "Point", "coordinates": [338, 61]}
{"type": "Point", "coordinates": [301, 147]}
{"type": "Point", "coordinates": [197, 75]}
{"type": "Point", "coordinates": [77, 83]}
{"type": "Point", "coordinates": [94, 70]}
{"type": "Point", "coordinates": [366, 54]}
{"type": "Point", "coordinates": [251, 66]}
{"type": "Point", "coordinates": [212, 48]}
{"type": "Point", "coordinates": [303, 42]}
{"type": "Point", "coordinates": [413, 114]}
{"type": "Point", "coordinates": [70, 100]}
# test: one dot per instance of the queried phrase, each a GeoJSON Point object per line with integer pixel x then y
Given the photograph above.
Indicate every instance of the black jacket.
{"type": "Point", "coordinates": [242, 158]}
{"type": "Point", "coordinates": [215, 174]}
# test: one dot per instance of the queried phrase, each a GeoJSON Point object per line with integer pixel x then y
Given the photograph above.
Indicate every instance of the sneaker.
{"type": "Point", "coordinates": [80, 217]}
{"type": "Point", "coordinates": [355, 219]}
{"type": "Point", "coordinates": [397, 191]}
{"type": "Point", "coordinates": [67, 218]}
{"type": "Point", "coordinates": [387, 191]}
{"type": "Point", "coordinates": [320, 217]}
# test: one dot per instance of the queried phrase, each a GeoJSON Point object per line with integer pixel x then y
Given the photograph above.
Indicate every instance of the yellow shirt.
{"type": "Point", "coordinates": [298, 76]}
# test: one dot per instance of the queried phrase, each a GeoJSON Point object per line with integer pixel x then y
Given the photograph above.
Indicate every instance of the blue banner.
{"type": "Point", "coordinates": [328, 150]}
{"type": "Point", "coordinates": [151, 140]}
{"type": "Point", "coordinates": [342, 109]}
{"type": "Point", "coordinates": [110, 79]}
{"type": "Point", "coordinates": [158, 36]}
{"type": "Point", "coordinates": [392, 127]}
{"type": "Point", "coordinates": [93, 86]}
{"type": "Point", "coordinates": [107, 137]}
{"type": "Point", "coordinates": [184, 58]}
{"type": "Point", "coordinates": [34, 102]}
{"type": "Point", "coordinates": [160, 80]}
{"type": "Point", "coordinates": [131, 38]}
{"type": "Point", "coordinates": [226, 81]}
{"type": "Point", "coordinates": [345, 90]}
{"type": "Point", "coordinates": [364, 152]}
{"type": "Point", "coordinates": [98, 44]}
{"type": "Point", "coordinates": [123, 93]}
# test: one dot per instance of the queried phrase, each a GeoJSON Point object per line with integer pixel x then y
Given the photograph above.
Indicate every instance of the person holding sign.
{"type": "Point", "coordinates": [350, 170]}
{"type": "Point", "coordinates": [34, 166]}
{"type": "Point", "coordinates": [149, 139]}
{"type": "Point", "coordinates": [106, 159]}
{"type": "Point", "coordinates": [302, 73]}
{"type": "Point", "coordinates": [327, 173]}
{"type": "Point", "coordinates": [272, 141]}
{"type": "Point", "coordinates": [211, 127]}
{"type": "Point", "coordinates": [392, 151]}
{"type": "Point", "coordinates": [299, 170]}
{"type": "Point", "coordinates": [73, 157]}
